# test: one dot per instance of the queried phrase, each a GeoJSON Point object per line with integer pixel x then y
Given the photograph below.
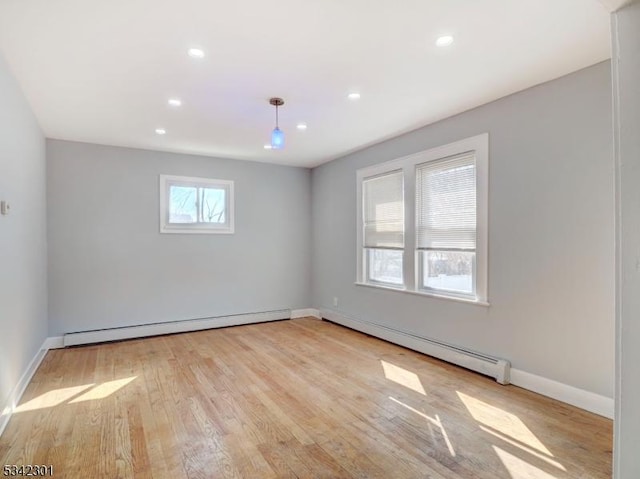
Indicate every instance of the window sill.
{"type": "Point", "coordinates": [196, 230]}
{"type": "Point", "coordinates": [422, 293]}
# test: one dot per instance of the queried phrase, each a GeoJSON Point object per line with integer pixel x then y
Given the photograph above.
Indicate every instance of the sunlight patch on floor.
{"type": "Point", "coordinates": [103, 390]}
{"type": "Point", "coordinates": [502, 421]}
{"type": "Point", "coordinates": [435, 421]}
{"type": "Point", "coordinates": [520, 469]}
{"type": "Point", "coordinates": [524, 448]}
{"type": "Point", "coordinates": [52, 398]}
{"type": "Point", "coordinates": [85, 392]}
{"type": "Point", "coordinates": [402, 376]}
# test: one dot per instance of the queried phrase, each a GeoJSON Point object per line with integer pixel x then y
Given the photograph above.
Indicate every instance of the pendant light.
{"type": "Point", "coordinates": [277, 136]}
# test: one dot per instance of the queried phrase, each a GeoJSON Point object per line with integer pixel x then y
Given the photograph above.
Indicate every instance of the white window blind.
{"type": "Point", "coordinates": [383, 211]}
{"type": "Point", "coordinates": [446, 204]}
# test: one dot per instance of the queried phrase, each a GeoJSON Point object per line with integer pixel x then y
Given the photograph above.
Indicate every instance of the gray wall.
{"type": "Point", "coordinates": [551, 234]}
{"type": "Point", "coordinates": [23, 246]}
{"type": "Point", "coordinates": [109, 265]}
{"type": "Point", "coordinates": [626, 40]}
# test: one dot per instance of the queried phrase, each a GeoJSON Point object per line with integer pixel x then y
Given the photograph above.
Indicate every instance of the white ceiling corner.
{"type": "Point", "coordinates": [615, 5]}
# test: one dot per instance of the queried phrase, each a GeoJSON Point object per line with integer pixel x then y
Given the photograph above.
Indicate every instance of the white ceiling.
{"type": "Point", "coordinates": [102, 72]}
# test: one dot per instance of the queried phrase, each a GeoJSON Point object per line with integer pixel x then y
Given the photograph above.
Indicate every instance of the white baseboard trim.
{"type": "Point", "coordinates": [580, 398]}
{"type": "Point", "coordinates": [305, 313]}
{"type": "Point", "coordinates": [171, 327]}
{"type": "Point", "coordinates": [18, 390]}
{"type": "Point", "coordinates": [496, 368]}
{"type": "Point", "coordinates": [53, 342]}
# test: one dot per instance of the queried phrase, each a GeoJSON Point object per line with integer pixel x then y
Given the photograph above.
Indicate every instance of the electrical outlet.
{"type": "Point", "coordinates": [335, 301]}
{"type": "Point", "coordinates": [4, 208]}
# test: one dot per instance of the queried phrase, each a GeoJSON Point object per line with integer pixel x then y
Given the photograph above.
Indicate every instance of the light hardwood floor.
{"type": "Point", "coordinates": [300, 398]}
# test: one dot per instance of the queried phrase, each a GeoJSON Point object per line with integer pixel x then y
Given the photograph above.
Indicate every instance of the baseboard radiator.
{"type": "Point", "coordinates": [171, 327]}
{"type": "Point", "coordinates": [489, 366]}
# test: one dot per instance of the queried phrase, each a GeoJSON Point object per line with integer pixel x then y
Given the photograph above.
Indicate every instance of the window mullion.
{"type": "Point", "coordinates": [199, 205]}
{"type": "Point", "coordinates": [409, 262]}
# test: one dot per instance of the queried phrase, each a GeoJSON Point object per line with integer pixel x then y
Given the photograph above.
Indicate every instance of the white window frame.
{"type": "Point", "coordinates": [479, 145]}
{"type": "Point", "coordinates": [166, 181]}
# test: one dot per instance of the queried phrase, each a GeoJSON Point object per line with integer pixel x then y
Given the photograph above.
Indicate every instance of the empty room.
{"type": "Point", "coordinates": [320, 239]}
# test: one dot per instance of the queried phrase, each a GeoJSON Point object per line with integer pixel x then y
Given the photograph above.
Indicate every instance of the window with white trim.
{"type": "Point", "coordinates": [195, 205]}
{"type": "Point", "coordinates": [422, 222]}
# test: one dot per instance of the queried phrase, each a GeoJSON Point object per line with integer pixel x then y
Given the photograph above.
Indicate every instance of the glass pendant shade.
{"type": "Point", "coordinates": [277, 139]}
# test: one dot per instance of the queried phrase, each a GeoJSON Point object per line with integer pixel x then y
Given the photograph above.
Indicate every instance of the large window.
{"type": "Point", "coordinates": [195, 205]}
{"type": "Point", "coordinates": [422, 222]}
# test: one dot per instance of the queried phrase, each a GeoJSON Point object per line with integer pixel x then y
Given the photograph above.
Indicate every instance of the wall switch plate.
{"type": "Point", "coordinates": [335, 301]}
{"type": "Point", "coordinates": [4, 208]}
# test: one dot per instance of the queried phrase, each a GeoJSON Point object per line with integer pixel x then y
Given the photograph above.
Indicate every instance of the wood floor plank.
{"type": "Point", "coordinates": [299, 398]}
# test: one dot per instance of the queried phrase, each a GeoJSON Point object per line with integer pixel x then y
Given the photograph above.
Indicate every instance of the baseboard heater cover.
{"type": "Point", "coordinates": [497, 368]}
{"type": "Point", "coordinates": [170, 327]}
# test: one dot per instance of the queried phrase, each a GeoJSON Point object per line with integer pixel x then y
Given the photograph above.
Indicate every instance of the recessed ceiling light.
{"type": "Point", "coordinates": [196, 53]}
{"type": "Point", "coordinates": [444, 41]}
{"type": "Point", "coordinates": [354, 96]}
{"type": "Point", "coordinates": [301, 126]}
{"type": "Point", "coordinates": [161, 131]}
{"type": "Point", "coordinates": [175, 102]}
{"type": "Point", "coordinates": [268, 147]}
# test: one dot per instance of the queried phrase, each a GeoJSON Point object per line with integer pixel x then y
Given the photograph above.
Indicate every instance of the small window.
{"type": "Point", "coordinates": [195, 205]}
